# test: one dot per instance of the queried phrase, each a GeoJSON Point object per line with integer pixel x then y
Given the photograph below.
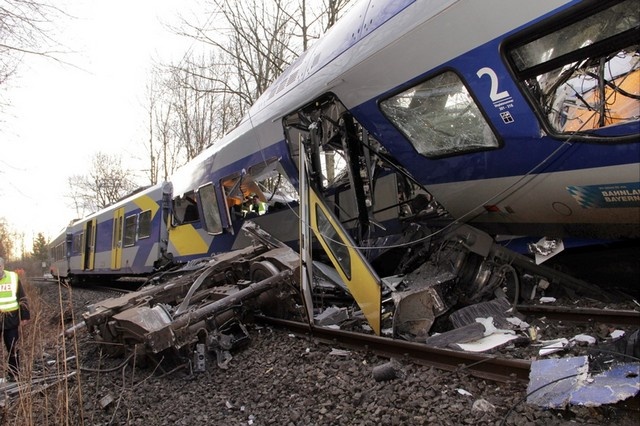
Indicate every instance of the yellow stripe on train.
{"type": "Point", "coordinates": [147, 203]}
{"type": "Point", "coordinates": [186, 241]}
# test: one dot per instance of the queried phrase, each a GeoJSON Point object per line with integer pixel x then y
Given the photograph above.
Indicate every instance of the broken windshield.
{"type": "Point", "coordinates": [586, 75]}
{"type": "Point", "coordinates": [439, 117]}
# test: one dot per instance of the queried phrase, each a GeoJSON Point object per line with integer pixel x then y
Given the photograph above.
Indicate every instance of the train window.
{"type": "Point", "coordinates": [440, 117]}
{"type": "Point", "coordinates": [335, 243]}
{"type": "Point", "coordinates": [209, 203]}
{"type": "Point", "coordinates": [144, 224]}
{"type": "Point", "coordinates": [130, 226]}
{"type": "Point", "coordinates": [274, 184]}
{"type": "Point", "coordinates": [77, 243]}
{"type": "Point", "coordinates": [585, 75]}
{"type": "Point", "coordinates": [185, 208]}
{"type": "Point", "coordinates": [59, 252]}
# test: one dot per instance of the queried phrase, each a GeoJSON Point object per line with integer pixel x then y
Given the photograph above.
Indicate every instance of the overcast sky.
{"type": "Point", "coordinates": [61, 114]}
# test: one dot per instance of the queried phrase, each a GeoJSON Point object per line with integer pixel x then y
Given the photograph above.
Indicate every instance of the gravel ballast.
{"type": "Point", "coordinates": [279, 379]}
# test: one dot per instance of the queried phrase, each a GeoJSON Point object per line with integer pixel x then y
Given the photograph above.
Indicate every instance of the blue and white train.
{"type": "Point", "coordinates": [518, 118]}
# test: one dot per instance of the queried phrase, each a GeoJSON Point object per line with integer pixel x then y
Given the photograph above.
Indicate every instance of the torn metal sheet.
{"type": "Point", "coordinates": [464, 334]}
{"type": "Point", "coordinates": [545, 249]}
{"type": "Point", "coordinates": [332, 316]}
{"type": "Point", "coordinates": [553, 346]}
{"type": "Point", "coordinates": [622, 381]}
{"type": "Point", "coordinates": [556, 383]}
{"type": "Point", "coordinates": [417, 309]}
{"type": "Point", "coordinates": [551, 381]}
{"type": "Point", "coordinates": [584, 338]}
{"type": "Point", "coordinates": [487, 342]}
{"type": "Point", "coordinates": [499, 309]}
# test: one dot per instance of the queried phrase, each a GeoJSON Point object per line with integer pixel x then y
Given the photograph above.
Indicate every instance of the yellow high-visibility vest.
{"type": "Point", "coordinates": [9, 292]}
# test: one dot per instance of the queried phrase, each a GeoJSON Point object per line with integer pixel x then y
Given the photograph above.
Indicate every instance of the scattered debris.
{"type": "Point", "coordinates": [388, 371]}
{"type": "Point", "coordinates": [616, 334]}
{"type": "Point", "coordinates": [331, 316]}
{"type": "Point", "coordinates": [460, 285]}
{"type": "Point", "coordinates": [200, 306]}
{"type": "Point", "coordinates": [487, 343]}
{"type": "Point", "coordinates": [339, 352]}
{"type": "Point", "coordinates": [10, 391]}
{"type": "Point", "coordinates": [556, 383]}
{"type": "Point", "coordinates": [106, 401]}
{"type": "Point", "coordinates": [498, 310]}
{"type": "Point", "coordinates": [464, 334]}
{"type": "Point", "coordinates": [584, 338]}
{"type": "Point", "coordinates": [553, 346]}
{"type": "Point", "coordinates": [483, 405]}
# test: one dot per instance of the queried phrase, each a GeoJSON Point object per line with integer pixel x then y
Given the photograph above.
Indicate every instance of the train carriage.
{"type": "Point", "coordinates": [128, 238]}
{"type": "Point", "coordinates": [405, 124]}
{"type": "Point", "coordinates": [523, 122]}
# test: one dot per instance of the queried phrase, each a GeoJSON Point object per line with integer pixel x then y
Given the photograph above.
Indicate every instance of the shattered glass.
{"type": "Point", "coordinates": [440, 117]}
{"type": "Point", "coordinates": [586, 75]}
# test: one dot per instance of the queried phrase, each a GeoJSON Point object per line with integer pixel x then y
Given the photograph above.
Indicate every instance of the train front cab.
{"type": "Point", "coordinates": [207, 219]}
{"type": "Point", "coordinates": [465, 139]}
{"type": "Point", "coordinates": [353, 196]}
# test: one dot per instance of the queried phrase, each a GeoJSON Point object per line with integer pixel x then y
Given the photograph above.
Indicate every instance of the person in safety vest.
{"type": "Point", "coordinates": [258, 206]}
{"type": "Point", "coordinates": [14, 313]}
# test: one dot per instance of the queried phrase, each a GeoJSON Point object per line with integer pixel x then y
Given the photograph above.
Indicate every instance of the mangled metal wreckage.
{"type": "Point", "coordinates": [204, 306]}
{"type": "Point", "coordinates": [364, 218]}
{"type": "Point", "coordinates": [200, 305]}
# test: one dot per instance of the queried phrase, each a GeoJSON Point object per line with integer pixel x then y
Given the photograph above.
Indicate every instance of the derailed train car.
{"type": "Point", "coordinates": [151, 229]}
{"type": "Point", "coordinates": [410, 153]}
{"type": "Point", "coordinates": [128, 238]}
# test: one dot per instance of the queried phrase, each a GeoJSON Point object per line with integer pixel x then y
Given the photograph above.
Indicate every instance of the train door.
{"type": "Point", "coordinates": [116, 241]}
{"type": "Point", "coordinates": [89, 250]}
{"type": "Point", "coordinates": [354, 270]}
{"type": "Point", "coordinates": [314, 134]}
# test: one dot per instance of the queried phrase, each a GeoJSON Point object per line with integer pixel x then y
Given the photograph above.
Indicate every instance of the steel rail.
{"type": "Point", "coordinates": [481, 365]}
{"type": "Point", "coordinates": [586, 315]}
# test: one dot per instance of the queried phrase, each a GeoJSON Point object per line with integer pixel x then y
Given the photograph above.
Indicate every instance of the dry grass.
{"type": "Point", "coordinates": [44, 353]}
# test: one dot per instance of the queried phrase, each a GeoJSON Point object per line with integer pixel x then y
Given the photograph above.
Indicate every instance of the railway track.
{"type": "Point", "coordinates": [481, 365]}
{"type": "Point", "coordinates": [485, 366]}
{"type": "Point", "coordinates": [583, 315]}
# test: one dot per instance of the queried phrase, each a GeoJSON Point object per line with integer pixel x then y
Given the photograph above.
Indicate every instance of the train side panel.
{"type": "Point", "coordinates": [125, 239]}
{"type": "Point", "coordinates": [58, 256]}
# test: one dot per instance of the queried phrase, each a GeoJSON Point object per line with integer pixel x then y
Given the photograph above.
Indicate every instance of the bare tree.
{"type": "Point", "coordinates": [107, 182]}
{"type": "Point", "coordinates": [254, 41]}
{"type": "Point", "coordinates": [186, 114]}
{"type": "Point", "coordinates": [6, 239]}
{"type": "Point", "coordinates": [246, 45]}
{"type": "Point", "coordinates": [312, 19]}
{"type": "Point", "coordinates": [25, 27]}
{"type": "Point", "coordinates": [251, 39]}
